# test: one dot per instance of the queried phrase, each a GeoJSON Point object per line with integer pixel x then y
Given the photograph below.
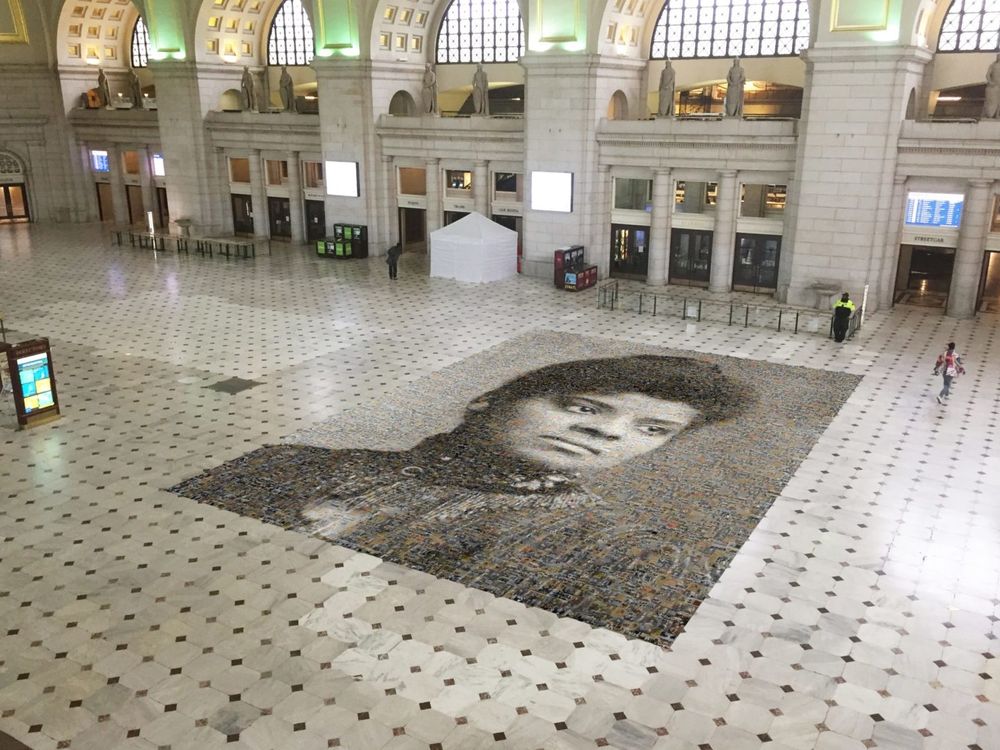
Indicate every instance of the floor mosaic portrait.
{"type": "Point", "coordinates": [608, 482]}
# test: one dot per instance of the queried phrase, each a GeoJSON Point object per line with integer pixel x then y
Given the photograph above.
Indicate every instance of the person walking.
{"type": "Point", "coordinates": [949, 365]}
{"type": "Point", "coordinates": [392, 258]}
{"type": "Point", "coordinates": [842, 312]}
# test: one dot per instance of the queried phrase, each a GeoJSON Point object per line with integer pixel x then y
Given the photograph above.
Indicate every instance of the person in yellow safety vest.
{"type": "Point", "coordinates": [842, 312]}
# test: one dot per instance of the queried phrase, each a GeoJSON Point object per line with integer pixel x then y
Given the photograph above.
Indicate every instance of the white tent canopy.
{"type": "Point", "coordinates": [474, 249]}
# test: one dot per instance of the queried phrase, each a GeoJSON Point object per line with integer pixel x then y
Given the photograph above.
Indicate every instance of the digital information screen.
{"type": "Point", "coordinates": [934, 209]}
{"type": "Point", "coordinates": [36, 382]}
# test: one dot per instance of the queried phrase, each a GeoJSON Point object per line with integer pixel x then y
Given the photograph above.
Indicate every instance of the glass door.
{"type": "Point", "coordinates": [13, 203]}
{"type": "Point", "coordinates": [279, 217]}
{"type": "Point", "coordinates": [629, 251]}
{"type": "Point", "coordinates": [242, 214]}
{"type": "Point", "coordinates": [163, 210]}
{"type": "Point", "coordinates": [755, 268]}
{"type": "Point", "coordinates": [105, 204]}
{"type": "Point", "coordinates": [315, 220]}
{"type": "Point", "coordinates": [690, 257]}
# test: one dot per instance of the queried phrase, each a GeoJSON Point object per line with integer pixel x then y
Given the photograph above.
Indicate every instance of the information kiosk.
{"type": "Point", "coordinates": [33, 381]}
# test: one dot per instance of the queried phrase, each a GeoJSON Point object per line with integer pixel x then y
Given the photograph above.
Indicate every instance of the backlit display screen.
{"type": "Point", "coordinates": [342, 178]}
{"type": "Point", "coordinates": [934, 209]}
{"type": "Point", "coordinates": [35, 374]}
{"type": "Point", "coordinates": [552, 191]}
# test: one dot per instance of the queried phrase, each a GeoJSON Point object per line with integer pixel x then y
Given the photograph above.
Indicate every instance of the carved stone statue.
{"type": "Point", "coordinates": [135, 90]}
{"type": "Point", "coordinates": [480, 92]}
{"type": "Point", "coordinates": [430, 90]}
{"type": "Point", "coordinates": [248, 91]}
{"type": "Point", "coordinates": [103, 88]}
{"type": "Point", "coordinates": [667, 79]}
{"type": "Point", "coordinates": [287, 88]}
{"type": "Point", "coordinates": [735, 81]}
{"type": "Point", "coordinates": [991, 107]}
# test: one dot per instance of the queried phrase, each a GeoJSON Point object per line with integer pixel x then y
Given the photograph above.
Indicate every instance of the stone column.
{"type": "Point", "coordinates": [118, 199]}
{"type": "Point", "coordinates": [724, 237]}
{"type": "Point", "coordinates": [184, 144]}
{"type": "Point", "coordinates": [886, 275]}
{"type": "Point", "coordinates": [146, 184]}
{"type": "Point", "coordinates": [598, 250]}
{"type": "Point", "coordinates": [969, 255]}
{"type": "Point", "coordinates": [480, 187]}
{"type": "Point", "coordinates": [659, 234]}
{"type": "Point", "coordinates": [224, 192]}
{"type": "Point", "coordinates": [434, 205]}
{"type": "Point", "coordinates": [296, 205]}
{"type": "Point", "coordinates": [389, 209]}
{"type": "Point", "coordinates": [258, 195]}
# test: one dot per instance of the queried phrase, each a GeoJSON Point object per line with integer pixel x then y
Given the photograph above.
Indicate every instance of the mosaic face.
{"type": "Point", "coordinates": [590, 431]}
{"type": "Point", "coordinates": [611, 489]}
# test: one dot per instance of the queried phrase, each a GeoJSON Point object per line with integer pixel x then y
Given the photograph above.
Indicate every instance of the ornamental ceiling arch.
{"type": "Point", "coordinates": [236, 31]}
{"type": "Point", "coordinates": [96, 32]}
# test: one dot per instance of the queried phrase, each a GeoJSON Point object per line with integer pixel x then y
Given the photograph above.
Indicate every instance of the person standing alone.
{"type": "Point", "coordinates": [392, 258]}
{"type": "Point", "coordinates": [842, 312]}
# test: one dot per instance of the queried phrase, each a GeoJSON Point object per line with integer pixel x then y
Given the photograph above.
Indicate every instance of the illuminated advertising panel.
{"type": "Point", "coordinates": [342, 178]}
{"type": "Point", "coordinates": [552, 191]}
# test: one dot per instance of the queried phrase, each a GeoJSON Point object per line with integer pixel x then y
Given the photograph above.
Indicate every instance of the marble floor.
{"type": "Point", "coordinates": [862, 612]}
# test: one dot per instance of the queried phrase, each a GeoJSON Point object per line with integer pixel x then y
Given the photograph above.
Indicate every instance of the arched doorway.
{"type": "Point", "coordinates": [13, 190]}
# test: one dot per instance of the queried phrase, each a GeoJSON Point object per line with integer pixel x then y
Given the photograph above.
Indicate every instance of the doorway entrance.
{"type": "Point", "coordinates": [413, 230]}
{"type": "Point", "coordinates": [105, 203]}
{"type": "Point", "coordinates": [162, 209]}
{"type": "Point", "coordinates": [629, 251]}
{"type": "Point", "coordinates": [242, 214]}
{"type": "Point", "coordinates": [513, 223]}
{"type": "Point", "coordinates": [989, 286]}
{"type": "Point", "coordinates": [450, 217]}
{"type": "Point", "coordinates": [315, 220]}
{"type": "Point", "coordinates": [690, 257]}
{"type": "Point", "coordinates": [13, 204]}
{"type": "Point", "coordinates": [755, 267]}
{"type": "Point", "coordinates": [136, 208]}
{"type": "Point", "coordinates": [923, 276]}
{"type": "Point", "coordinates": [279, 217]}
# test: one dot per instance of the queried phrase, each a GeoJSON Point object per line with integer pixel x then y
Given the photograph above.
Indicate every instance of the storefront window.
{"type": "Point", "coordinates": [412, 181]}
{"type": "Point", "coordinates": [632, 194]}
{"type": "Point", "coordinates": [313, 171]}
{"type": "Point", "coordinates": [695, 197]}
{"type": "Point", "coordinates": [239, 170]}
{"type": "Point", "coordinates": [277, 172]}
{"type": "Point", "coordinates": [130, 160]}
{"type": "Point", "coordinates": [458, 179]}
{"type": "Point", "coordinates": [508, 187]}
{"type": "Point", "coordinates": [99, 161]}
{"type": "Point", "coordinates": [159, 168]}
{"type": "Point", "coordinates": [762, 200]}
{"type": "Point", "coordinates": [995, 224]}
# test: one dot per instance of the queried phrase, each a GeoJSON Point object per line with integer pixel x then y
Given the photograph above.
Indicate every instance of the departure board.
{"type": "Point", "coordinates": [934, 209]}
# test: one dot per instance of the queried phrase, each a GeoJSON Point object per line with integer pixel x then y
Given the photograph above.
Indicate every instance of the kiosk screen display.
{"type": "Point", "coordinates": [934, 209]}
{"type": "Point", "coordinates": [36, 382]}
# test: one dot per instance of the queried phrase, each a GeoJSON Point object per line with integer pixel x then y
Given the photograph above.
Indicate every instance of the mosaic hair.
{"type": "Point", "coordinates": [698, 384]}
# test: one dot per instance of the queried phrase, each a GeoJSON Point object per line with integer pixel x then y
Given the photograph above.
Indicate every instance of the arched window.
{"type": "Point", "coordinates": [140, 44]}
{"type": "Point", "coordinates": [971, 26]}
{"type": "Point", "coordinates": [731, 28]}
{"type": "Point", "coordinates": [290, 41]}
{"type": "Point", "coordinates": [481, 31]}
